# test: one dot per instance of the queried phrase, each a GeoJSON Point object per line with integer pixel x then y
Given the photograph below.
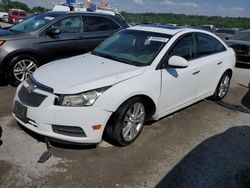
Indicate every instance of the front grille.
{"type": "Point", "coordinates": [242, 58]}
{"type": "Point", "coordinates": [68, 131]}
{"type": "Point", "coordinates": [32, 99]}
{"type": "Point", "coordinates": [240, 49]}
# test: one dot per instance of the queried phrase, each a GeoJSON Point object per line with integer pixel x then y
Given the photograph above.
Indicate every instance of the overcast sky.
{"type": "Point", "coordinates": [235, 8]}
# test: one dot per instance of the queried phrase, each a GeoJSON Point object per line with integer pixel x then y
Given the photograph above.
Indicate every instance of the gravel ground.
{"type": "Point", "coordinates": [204, 145]}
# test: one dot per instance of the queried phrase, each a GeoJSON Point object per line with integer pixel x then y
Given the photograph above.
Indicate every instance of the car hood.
{"type": "Point", "coordinates": [84, 72]}
{"type": "Point", "coordinates": [11, 35]}
{"type": "Point", "coordinates": [237, 42]}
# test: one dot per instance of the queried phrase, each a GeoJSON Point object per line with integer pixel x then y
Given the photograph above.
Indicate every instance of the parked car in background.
{"type": "Point", "coordinates": [51, 35]}
{"type": "Point", "coordinates": [2, 15]}
{"type": "Point", "coordinates": [4, 19]}
{"type": "Point", "coordinates": [210, 28]}
{"type": "Point", "coordinates": [16, 15]}
{"type": "Point", "coordinates": [141, 73]}
{"type": "Point", "coordinates": [241, 45]}
{"type": "Point", "coordinates": [225, 33]}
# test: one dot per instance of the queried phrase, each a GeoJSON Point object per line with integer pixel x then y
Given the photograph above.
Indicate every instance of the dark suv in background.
{"type": "Point", "coordinates": [49, 36]}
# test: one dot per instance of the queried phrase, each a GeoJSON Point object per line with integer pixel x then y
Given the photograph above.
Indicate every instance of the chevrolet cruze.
{"type": "Point", "coordinates": [141, 73]}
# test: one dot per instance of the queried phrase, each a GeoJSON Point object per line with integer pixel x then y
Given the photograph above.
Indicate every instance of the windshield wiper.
{"type": "Point", "coordinates": [14, 30]}
{"type": "Point", "coordinates": [115, 58]}
{"type": "Point", "coordinates": [108, 56]}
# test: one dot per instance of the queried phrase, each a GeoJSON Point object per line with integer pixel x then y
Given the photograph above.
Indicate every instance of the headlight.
{"type": "Point", "coordinates": [87, 98]}
{"type": "Point", "coordinates": [2, 42]}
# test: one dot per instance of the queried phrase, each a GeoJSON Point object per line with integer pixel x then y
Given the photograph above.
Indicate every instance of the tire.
{"type": "Point", "coordinates": [20, 68]}
{"type": "Point", "coordinates": [125, 125]}
{"type": "Point", "coordinates": [222, 87]}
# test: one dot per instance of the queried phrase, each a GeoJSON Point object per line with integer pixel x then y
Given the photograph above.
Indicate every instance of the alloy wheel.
{"type": "Point", "coordinates": [133, 121]}
{"type": "Point", "coordinates": [224, 86]}
{"type": "Point", "coordinates": [23, 69]}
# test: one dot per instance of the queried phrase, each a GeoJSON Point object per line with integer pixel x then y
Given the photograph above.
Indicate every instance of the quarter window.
{"type": "Point", "coordinates": [70, 25]}
{"type": "Point", "coordinates": [184, 48]}
{"type": "Point", "coordinates": [97, 23]}
{"type": "Point", "coordinates": [208, 45]}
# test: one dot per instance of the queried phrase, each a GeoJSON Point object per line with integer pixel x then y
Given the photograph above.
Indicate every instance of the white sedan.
{"type": "Point", "coordinates": [141, 73]}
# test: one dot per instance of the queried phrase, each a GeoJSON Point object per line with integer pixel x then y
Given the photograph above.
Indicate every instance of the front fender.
{"type": "Point", "coordinates": [147, 84]}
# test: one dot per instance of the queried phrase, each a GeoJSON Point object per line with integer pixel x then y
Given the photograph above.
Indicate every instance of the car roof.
{"type": "Point", "coordinates": [15, 9]}
{"type": "Point", "coordinates": [91, 13]}
{"type": "Point", "coordinates": [63, 13]}
{"type": "Point", "coordinates": [164, 29]}
{"type": "Point", "coordinates": [54, 13]}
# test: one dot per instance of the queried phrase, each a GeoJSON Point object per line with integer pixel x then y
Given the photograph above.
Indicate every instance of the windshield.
{"type": "Point", "coordinates": [33, 23]}
{"type": "Point", "coordinates": [245, 36]}
{"type": "Point", "coordinates": [133, 47]}
{"type": "Point", "coordinates": [226, 31]}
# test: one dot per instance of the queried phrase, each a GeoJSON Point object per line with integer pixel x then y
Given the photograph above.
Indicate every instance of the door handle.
{"type": "Point", "coordinates": [219, 63]}
{"type": "Point", "coordinates": [196, 72]}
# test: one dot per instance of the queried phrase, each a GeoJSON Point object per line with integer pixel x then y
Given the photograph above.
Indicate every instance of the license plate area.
{"type": "Point", "coordinates": [20, 111]}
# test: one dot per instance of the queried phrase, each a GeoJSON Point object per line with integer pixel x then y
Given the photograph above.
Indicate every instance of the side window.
{"type": "Point", "coordinates": [70, 25]}
{"type": "Point", "coordinates": [208, 45]}
{"type": "Point", "coordinates": [184, 48]}
{"type": "Point", "coordinates": [114, 25]}
{"type": "Point", "coordinates": [15, 13]}
{"type": "Point", "coordinates": [97, 23]}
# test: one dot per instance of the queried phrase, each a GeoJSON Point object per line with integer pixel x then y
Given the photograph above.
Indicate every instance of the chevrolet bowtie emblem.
{"type": "Point", "coordinates": [31, 88]}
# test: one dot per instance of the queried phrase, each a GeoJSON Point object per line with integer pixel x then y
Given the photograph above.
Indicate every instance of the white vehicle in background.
{"type": "Point", "coordinates": [141, 73]}
{"type": "Point", "coordinates": [3, 16]}
{"type": "Point", "coordinates": [81, 7]}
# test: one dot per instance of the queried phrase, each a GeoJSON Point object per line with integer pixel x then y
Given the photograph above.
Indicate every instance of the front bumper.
{"type": "Point", "coordinates": [41, 119]}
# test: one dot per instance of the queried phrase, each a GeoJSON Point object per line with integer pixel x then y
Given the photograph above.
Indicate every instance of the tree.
{"type": "Point", "coordinates": [38, 9]}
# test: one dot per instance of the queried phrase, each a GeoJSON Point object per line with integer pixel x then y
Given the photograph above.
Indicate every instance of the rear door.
{"type": "Point", "coordinates": [70, 41]}
{"type": "Point", "coordinates": [211, 60]}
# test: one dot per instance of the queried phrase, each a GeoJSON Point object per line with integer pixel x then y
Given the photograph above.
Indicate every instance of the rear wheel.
{"type": "Point", "coordinates": [127, 122]}
{"type": "Point", "coordinates": [223, 87]}
{"type": "Point", "coordinates": [21, 67]}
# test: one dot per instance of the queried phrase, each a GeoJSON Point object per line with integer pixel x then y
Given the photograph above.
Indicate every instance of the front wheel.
{"type": "Point", "coordinates": [127, 122]}
{"type": "Point", "coordinates": [21, 67]}
{"type": "Point", "coordinates": [223, 87]}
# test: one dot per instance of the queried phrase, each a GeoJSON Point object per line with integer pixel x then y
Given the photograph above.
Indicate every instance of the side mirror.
{"type": "Point", "coordinates": [178, 62]}
{"type": "Point", "coordinates": [53, 31]}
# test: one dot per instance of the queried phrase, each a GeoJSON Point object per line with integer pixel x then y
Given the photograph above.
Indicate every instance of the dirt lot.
{"type": "Point", "coordinates": [205, 145]}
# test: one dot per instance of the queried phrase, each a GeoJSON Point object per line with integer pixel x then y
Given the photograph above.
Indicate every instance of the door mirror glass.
{"type": "Point", "coordinates": [178, 62]}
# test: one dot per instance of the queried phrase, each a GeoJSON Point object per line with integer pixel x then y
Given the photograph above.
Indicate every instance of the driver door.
{"type": "Point", "coordinates": [179, 85]}
{"type": "Point", "coordinates": [69, 42]}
